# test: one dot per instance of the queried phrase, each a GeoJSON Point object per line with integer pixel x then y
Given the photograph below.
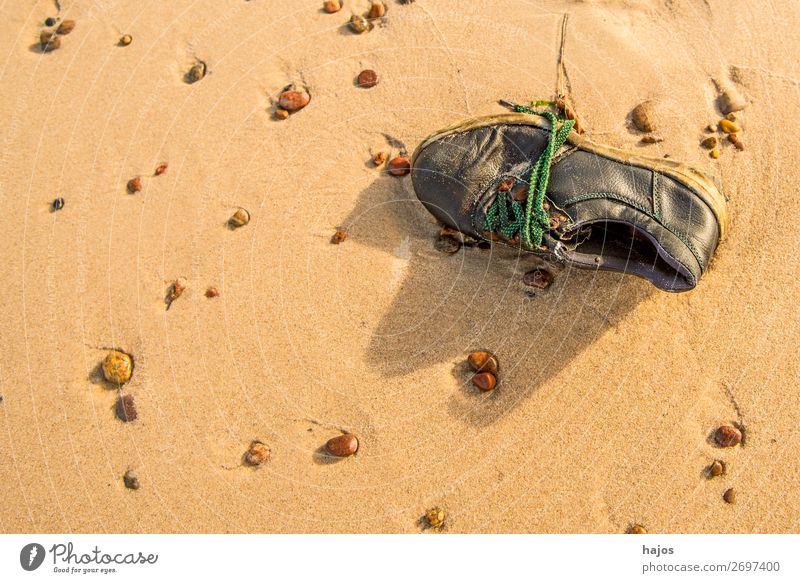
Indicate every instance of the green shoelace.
{"type": "Point", "coordinates": [530, 219]}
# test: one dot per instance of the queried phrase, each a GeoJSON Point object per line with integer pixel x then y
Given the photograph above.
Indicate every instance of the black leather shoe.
{"type": "Point", "coordinates": [599, 207]}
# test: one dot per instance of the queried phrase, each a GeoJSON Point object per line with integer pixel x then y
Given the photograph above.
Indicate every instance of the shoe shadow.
{"type": "Point", "coordinates": [446, 306]}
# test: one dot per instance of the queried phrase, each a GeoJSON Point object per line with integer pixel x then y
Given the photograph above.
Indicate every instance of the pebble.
{"type": "Point", "coordinates": [66, 27]}
{"type": "Point", "coordinates": [714, 153]}
{"type": "Point", "coordinates": [716, 469]}
{"type": "Point", "coordinates": [256, 454]}
{"type": "Point", "coordinates": [134, 185]}
{"type": "Point", "coordinates": [117, 367]}
{"type": "Point", "coordinates": [709, 143]}
{"type": "Point", "coordinates": [339, 236]}
{"type": "Point", "coordinates": [378, 158]}
{"type": "Point", "coordinates": [734, 139]}
{"type": "Point", "coordinates": [435, 517]}
{"type": "Point", "coordinates": [485, 381]}
{"type": "Point", "coordinates": [358, 23]}
{"type": "Point", "coordinates": [538, 278]}
{"type": "Point", "coordinates": [50, 21]}
{"type": "Point", "coordinates": [728, 126]}
{"type": "Point", "coordinates": [49, 41]}
{"type": "Point", "coordinates": [367, 78]}
{"type": "Point", "coordinates": [483, 361]}
{"type": "Point", "coordinates": [239, 219]}
{"type": "Point", "coordinates": [212, 292]}
{"type": "Point", "coordinates": [161, 169]}
{"type": "Point", "coordinates": [727, 436]}
{"type": "Point", "coordinates": [58, 204]}
{"type": "Point", "coordinates": [729, 496]}
{"type": "Point", "coordinates": [175, 291]}
{"type": "Point", "coordinates": [652, 139]}
{"type": "Point", "coordinates": [281, 113]}
{"type": "Point", "coordinates": [331, 6]}
{"type": "Point", "coordinates": [399, 166]}
{"type": "Point", "coordinates": [125, 40]}
{"type": "Point", "coordinates": [731, 100]}
{"type": "Point", "coordinates": [126, 408]}
{"type": "Point", "coordinates": [637, 529]}
{"type": "Point", "coordinates": [377, 10]}
{"type": "Point", "coordinates": [131, 480]}
{"type": "Point", "coordinates": [343, 445]}
{"type": "Point", "coordinates": [294, 99]}
{"type": "Point", "coordinates": [197, 72]}
{"type": "Point", "coordinates": [643, 117]}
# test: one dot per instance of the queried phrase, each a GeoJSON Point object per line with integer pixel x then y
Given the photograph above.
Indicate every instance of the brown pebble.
{"type": "Point", "coordinates": [643, 117]}
{"type": "Point", "coordinates": [485, 381]}
{"type": "Point", "coordinates": [652, 139]}
{"type": "Point", "coordinates": [377, 9]}
{"type": "Point", "coordinates": [538, 278]}
{"type": "Point", "coordinates": [399, 166]}
{"type": "Point", "coordinates": [331, 6]}
{"type": "Point", "coordinates": [134, 185]}
{"type": "Point", "coordinates": [49, 41]}
{"type": "Point", "coordinates": [378, 158]}
{"type": "Point", "coordinates": [239, 219]}
{"type": "Point", "coordinates": [126, 408]}
{"type": "Point", "coordinates": [161, 169]}
{"type": "Point", "coordinates": [131, 480]}
{"type": "Point", "coordinates": [716, 469]}
{"type": "Point", "coordinates": [343, 445]}
{"type": "Point", "coordinates": [256, 454]}
{"type": "Point", "coordinates": [729, 496]}
{"type": "Point", "coordinates": [734, 139]}
{"type": "Point", "coordinates": [358, 23]}
{"type": "Point", "coordinates": [66, 27]}
{"type": "Point", "coordinates": [281, 113]}
{"type": "Point", "coordinates": [483, 361]}
{"type": "Point", "coordinates": [197, 72]}
{"type": "Point", "coordinates": [367, 78]}
{"type": "Point", "coordinates": [727, 436]}
{"type": "Point", "coordinates": [125, 40]}
{"type": "Point", "coordinates": [294, 99]}
{"type": "Point", "coordinates": [709, 143]}
{"type": "Point", "coordinates": [212, 292]}
{"type": "Point", "coordinates": [117, 367]}
{"type": "Point", "coordinates": [435, 517]}
{"type": "Point", "coordinates": [174, 291]}
{"type": "Point", "coordinates": [339, 236]}
{"type": "Point", "coordinates": [637, 529]}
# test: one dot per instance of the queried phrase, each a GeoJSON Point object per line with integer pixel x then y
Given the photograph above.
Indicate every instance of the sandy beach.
{"type": "Point", "coordinates": [610, 389]}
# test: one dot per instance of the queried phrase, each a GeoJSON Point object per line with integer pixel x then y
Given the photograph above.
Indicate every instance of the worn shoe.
{"type": "Point", "coordinates": [528, 180]}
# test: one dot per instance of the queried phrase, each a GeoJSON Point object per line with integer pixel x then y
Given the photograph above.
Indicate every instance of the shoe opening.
{"type": "Point", "coordinates": [621, 246]}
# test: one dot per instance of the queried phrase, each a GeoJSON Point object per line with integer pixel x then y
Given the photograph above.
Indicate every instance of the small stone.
{"type": "Point", "coordinates": [483, 361]}
{"type": "Point", "coordinates": [730, 100]}
{"type": "Point", "coordinates": [343, 445]}
{"type": "Point", "coordinates": [367, 78]}
{"type": "Point", "coordinates": [257, 454]}
{"type": "Point", "coordinates": [134, 185]}
{"type": "Point", "coordinates": [730, 117]}
{"type": "Point", "coordinates": [174, 291]}
{"type": "Point", "coordinates": [734, 139]}
{"type": "Point", "coordinates": [239, 219]}
{"type": "Point", "coordinates": [709, 143]}
{"type": "Point", "coordinates": [126, 408]}
{"type": "Point", "coordinates": [378, 158]}
{"type": "Point", "coordinates": [117, 367]}
{"type": "Point", "coordinates": [716, 469]}
{"type": "Point", "coordinates": [50, 21]}
{"type": "Point", "coordinates": [358, 23]}
{"type": "Point", "coordinates": [161, 169]}
{"type": "Point", "coordinates": [727, 436]}
{"type": "Point", "coordinates": [339, 236]}
{"type": "Point", "coordinates": [728, 126]}
{"type": "Point", "coordinates": [538, 278]}
{"type": "Point", "coordinates": [652, 139]}
{"type": "Point", "coordinates": [485, 381]}
{"type": "Point", "coordinates": [58, 204]}
{"type": "Point", "coordinates": [399, 166]}
{"type": "Point", "coordinates": [66, 27]}
{"type": "Point", "coordinates": [643, 117]}
{"type": "Point", "coordinates": [49, 41]}
{"type": "Point", "coordinates": [714, 153]}
{"type": "Point", "coordinates": [125, 40]}
{"type": "Point", "coordinates": [729, 496]}
{"type": "Point", "coordinates": [212, 292]}
{"type": "Point", "coordinates": [197, 72]}
{"type": "Point", "coordinates": [131, 480]}
{"type": "Point", "coordinates": [281, 113]}
{"type": "Point", "coordinates": [637, 529]}
{"type": "Point", "coordinates": [377, 10]}
{"type": "Point", "coordinates": [447, 244]}
{"type": "Point", "coordinates": [294, 99]}
{"type": "Point", "coordinates": [331, 6]}
{"type": "Point", "coordinates": [435, 517]}
{"type": "Point", "coordinates": [710, 128]}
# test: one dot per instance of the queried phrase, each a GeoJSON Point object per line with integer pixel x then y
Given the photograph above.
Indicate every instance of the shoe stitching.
{"type": "Point", "coordinates": [656, 196]}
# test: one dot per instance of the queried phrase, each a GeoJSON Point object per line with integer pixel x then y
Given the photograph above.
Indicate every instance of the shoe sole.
{"type": "Point", "coordinates": [700, 183]}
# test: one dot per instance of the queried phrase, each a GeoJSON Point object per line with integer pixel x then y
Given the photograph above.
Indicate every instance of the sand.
{"type": "Point", "coordinates": [610, 388]}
